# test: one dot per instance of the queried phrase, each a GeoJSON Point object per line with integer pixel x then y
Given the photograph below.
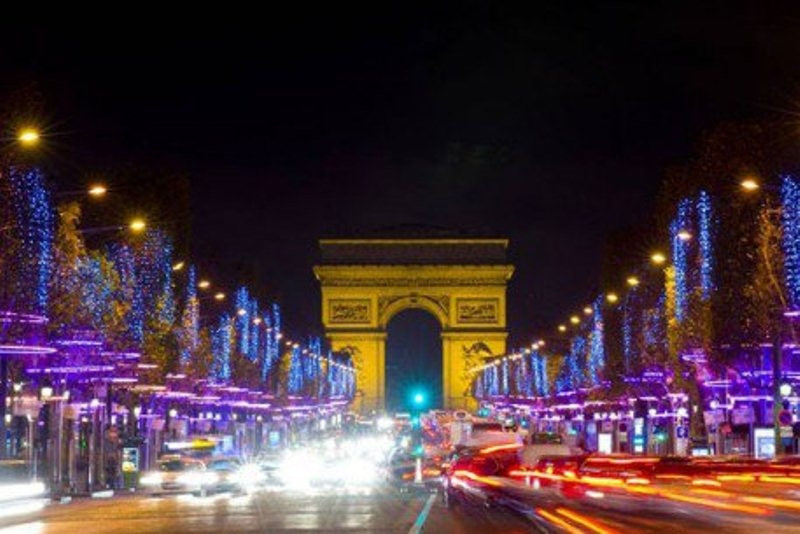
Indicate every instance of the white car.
{"type": "Point", "coordinates": [177, 474]}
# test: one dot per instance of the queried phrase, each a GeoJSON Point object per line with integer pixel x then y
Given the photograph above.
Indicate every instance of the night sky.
{"type": "Point", "coordinates": [551, 126]}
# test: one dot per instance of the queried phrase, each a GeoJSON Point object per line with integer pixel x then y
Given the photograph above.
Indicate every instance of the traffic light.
{"type": "Point", "coordinates": [418, 400]}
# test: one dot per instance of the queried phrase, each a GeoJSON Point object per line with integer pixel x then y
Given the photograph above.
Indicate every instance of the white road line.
{"type": "Point", "coordinates": [416, 528]}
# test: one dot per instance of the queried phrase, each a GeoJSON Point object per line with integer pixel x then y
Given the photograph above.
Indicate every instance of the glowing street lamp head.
{"type": "Point", "coordinates": [241, 312]}
{"type": "Point", "coordinates": [785, 389]}
{"type": "Point", "coordinates": [137, 225]}
{"type": "Point", "coordinates": [97, 190]}
{"type": "Point", "coordinates": [203, 284]}
{"type": "Point", "coordinates": [540, 342]}
{"type": "Point", "coordinates": [612, 298]}
{"type": "Point", "coordinates": [684, 235]}
{"type": "Point", "coordinates": [587, 310]}
{"type": "Point", "coordinates": [562, 328]}
{"type": "Point", "coordinates": [219, 296]}
{"type": "Point", "coordinates": [658, 258]}
{"type": "Point", "coordinates": [750, 184]}
{"type": "Point", "coordinates": [28, 137]}
{"type": "Point", "coordinates": [178, 266]}
{"type": "Point", "coordinates": [257, 320]}
{"type": "Point", "coordinates": [575, 319]}
{"type": "Point", "coordinates": [632, 281]}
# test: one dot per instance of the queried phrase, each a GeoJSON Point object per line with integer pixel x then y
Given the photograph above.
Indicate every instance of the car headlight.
{"type": "Point", "coordinates": [210, 477]}
{"type": "Point", "coordinates": [16, 491]}
{"type": "Point", "coordinates": [151, 479]}
{"type": "Point", "coordinates": [191, 479]}
{"type": "Point", "coordinates": [248, 475]}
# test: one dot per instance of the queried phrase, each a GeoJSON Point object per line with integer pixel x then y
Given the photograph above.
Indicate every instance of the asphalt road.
{"type": "Point", "coordinates": [384, 510]}
{"type": "Point", "coordinates": [387, 509]}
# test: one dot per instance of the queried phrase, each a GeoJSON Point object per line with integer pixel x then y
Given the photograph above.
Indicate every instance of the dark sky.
{"type": "Point", "coordinates": [551, 126]}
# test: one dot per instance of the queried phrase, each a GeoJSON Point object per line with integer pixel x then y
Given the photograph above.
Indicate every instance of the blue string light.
{"type": "Point", "coordinates": [597, 356]}
{"type": "Point", "coordinates": [505, 376]}
{"type": "Point", "coordinates": [242, 321]}
{"type": "Point", "coordinates": [494, 382]}
{"type": "Point", "coordinates": [295, 371]}
{"type": "Point", "coordinates": [705, 231]}
{"type": "Point", "coordinates": [478, 389]}
{"type": "Point", "coordinates": [125, 263]}
{"type": "Point", "coordinates": [627, 331]}
{"type": "Point", "coordinates": [255, 331]}
{"type": "Point", "coordinates": [680, 247]}
{"type": "Point", "coordinates": [35, 221]}
{"type": "Point", "coordinates": [191, 317]}
{"type": "Point", "coordinates": [154, 273]}
{"type": "Point", "coordinates": [571, 376]}
{"type": "Point", "coordinates": [221, 346]}
{"type": "Point", "coordinates": [542, 383]}
{"type": "Point", "coordinates": [790, 219]}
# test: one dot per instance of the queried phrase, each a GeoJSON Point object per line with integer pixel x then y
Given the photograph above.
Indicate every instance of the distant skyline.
{"type": "Point", "coordinates": [551, 127]}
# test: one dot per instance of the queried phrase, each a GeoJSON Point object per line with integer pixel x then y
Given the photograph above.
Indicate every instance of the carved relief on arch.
{"type": "Point", "coordinates": [389, 305]}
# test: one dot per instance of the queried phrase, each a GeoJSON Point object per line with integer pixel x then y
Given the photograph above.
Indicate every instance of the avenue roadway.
{"type": "Point", "coordinates": [382, 509]}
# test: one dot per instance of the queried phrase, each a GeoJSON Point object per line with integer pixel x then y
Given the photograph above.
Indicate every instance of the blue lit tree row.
{"type": "Point", "coordinates": [130, 294]}
{"type": "Point", "coordinates": [677, 309]}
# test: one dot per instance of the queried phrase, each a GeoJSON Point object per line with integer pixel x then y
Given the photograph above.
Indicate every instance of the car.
{"type": "Point", "coordinates": [551, 469]}
{"type": "Point", "coordinates": [223, 475]}
{"type": "Point", "coordinates": [474, 474]}
{"type": "Point", "coordinates": [19, 492]}
{"type": "Point", "coordinates": [177, 474]}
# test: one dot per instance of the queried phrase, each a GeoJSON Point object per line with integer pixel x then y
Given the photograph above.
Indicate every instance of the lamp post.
{"type": "Point", "coordinates": [751, 185]}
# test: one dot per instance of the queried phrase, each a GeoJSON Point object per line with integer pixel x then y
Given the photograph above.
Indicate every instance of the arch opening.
{"type": "Point", "coordinates": [413, 360]}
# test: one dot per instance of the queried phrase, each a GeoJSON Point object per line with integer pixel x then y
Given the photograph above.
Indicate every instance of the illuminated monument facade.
{"type": "Point", "coordinates": [461, 282]}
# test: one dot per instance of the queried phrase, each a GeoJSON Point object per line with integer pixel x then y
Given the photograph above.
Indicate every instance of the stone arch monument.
{"type": "Point", "coordinates": [461, 282]}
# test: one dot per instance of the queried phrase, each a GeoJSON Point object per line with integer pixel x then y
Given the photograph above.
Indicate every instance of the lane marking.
{"type": "Point", "coordinates": [416, 528]}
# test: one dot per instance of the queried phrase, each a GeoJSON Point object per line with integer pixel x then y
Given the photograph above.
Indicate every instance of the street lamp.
{"type": "Point", "coordinates": [587, 310]}
{"type": "Point", "coordinates": [612, 298]}
{"type": "Point", "coordinates": [575, 319]}
{"type": "Point", "coordinates": [562, 328]}
{"type": "Point", "coordinates": [750, 184]}
{"type": "Point", "coordinates": [219, 296]}
{"type": "Point", "coordinates": [684, 235]}
{"type": "Point", "coordinates": [97, 190]}
{"type": "Point", "coordinates": [178, 266]}
{"type": "Point", "coordinates": [28, 137]}
{"type": "Point", "coordinates": [137, 225]}
{"type": "Point", "coordinates": [632, 281]}
{"type": "Point", "coordinates": [204, 284]}
{"type": "Point", "coordinates": [658, 258]}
